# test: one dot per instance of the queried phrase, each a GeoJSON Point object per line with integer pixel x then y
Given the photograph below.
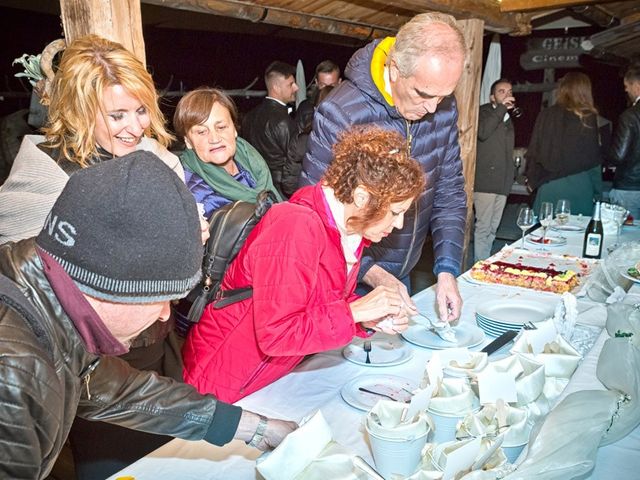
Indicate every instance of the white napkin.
{"type": "Point", "coordinates": [566, 314]}
{"type": "Point", "coordinates": [302, 447]}
{"type": "Point", "coordinates": [486, 423]}
{"type": "Point", "coordinates": [617, 295]}
{"type": "Point", "coordinates": [386, 419]}
{"type": "Point", "coordinates": [559, 358]}
{"type": "Point", "coordinates": [453, 397]}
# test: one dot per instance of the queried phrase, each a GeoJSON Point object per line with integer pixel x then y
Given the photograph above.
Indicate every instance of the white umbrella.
{"type": "Point", "coordinates": [301, 94]}
{"type": "Point", "coordinates": [492, 69]}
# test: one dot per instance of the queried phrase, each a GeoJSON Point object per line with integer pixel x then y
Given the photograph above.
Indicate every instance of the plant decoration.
{"type": "Point", "coordinates": [31, 65]}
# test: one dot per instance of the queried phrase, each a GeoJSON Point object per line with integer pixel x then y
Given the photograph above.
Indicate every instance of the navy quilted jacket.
{"type": "Point", "coordinates": [434, 143]}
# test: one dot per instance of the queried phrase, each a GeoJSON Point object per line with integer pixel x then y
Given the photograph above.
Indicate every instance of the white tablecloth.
{"type": "Point", "coordinates": [315, 384]}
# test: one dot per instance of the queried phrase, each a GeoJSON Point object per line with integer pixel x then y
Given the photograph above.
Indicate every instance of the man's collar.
{"type": "Point", "coordinates": [276, 100]}
{"type": "Point", "coordinates": [636, 100]}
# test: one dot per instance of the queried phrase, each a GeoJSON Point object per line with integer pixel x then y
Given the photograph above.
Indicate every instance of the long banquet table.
{"type": "Point", "coordinates": [315, 385]}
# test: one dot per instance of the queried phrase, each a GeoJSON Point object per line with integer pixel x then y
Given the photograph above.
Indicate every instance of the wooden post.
{"type": "Point", "coordinates": [468, 98]}
{"type": "Point", "coordinates": [117, 20]}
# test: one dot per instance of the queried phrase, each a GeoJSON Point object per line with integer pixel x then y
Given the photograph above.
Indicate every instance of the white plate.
{"type": "Point", "coordinates": [627, 276]}
{"type": "Point", "coordinates": [567, 227]}
{"type": "Point", "coordinates": [551, 241]}
{"type": "Point", "coordinates": [388, 384]}
{"type": "Point", "coordinates": [468, 335]}
{"type": "Point", "coordinates": [384, 352]}
{"type": "Point", "coordinates": [515, 311]}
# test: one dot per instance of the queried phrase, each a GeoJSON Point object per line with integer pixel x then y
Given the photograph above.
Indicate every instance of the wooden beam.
{"type": "Point", "coordinates": [529, 5]}
{"type": "Point", "coordinates": [117, 20]}
{"type": "Point", "coordinates": [485, 10]}
{"type": "Point", "coordinates": [245, 10]}
{"type": "Point", "coordinates": [468, 101]}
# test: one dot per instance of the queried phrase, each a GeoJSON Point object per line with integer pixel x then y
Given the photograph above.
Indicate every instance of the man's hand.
{"type": "Point", "coordinates": [377, 276]}
{"type": "Point", "coordinates": [448, 298]}
{"type": "Point", "coordinates": [273, 434]}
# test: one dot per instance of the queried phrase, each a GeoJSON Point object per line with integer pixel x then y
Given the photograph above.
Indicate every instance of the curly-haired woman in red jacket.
{"type": "Point", "coordinates": [302, 261]}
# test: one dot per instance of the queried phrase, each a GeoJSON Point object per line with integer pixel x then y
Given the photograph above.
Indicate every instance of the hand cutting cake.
{"type": "Point", "coordinates": [537, 278]}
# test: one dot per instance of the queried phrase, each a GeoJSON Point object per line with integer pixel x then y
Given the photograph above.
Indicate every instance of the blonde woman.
{"type": "Point", "coordinates": [103, 105]}
{"type": "Point", "coordinates": [564, 157]}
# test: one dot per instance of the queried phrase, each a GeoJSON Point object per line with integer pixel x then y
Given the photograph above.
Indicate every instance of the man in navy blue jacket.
{"type": "Point", "coordinates": [406, 83]}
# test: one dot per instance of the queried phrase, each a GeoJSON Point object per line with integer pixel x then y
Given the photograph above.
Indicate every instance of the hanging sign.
{"type": "Point", "coordinates": [552, 52]}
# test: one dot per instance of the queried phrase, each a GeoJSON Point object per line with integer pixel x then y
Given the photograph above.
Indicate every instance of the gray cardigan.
{"type": "Point", "coordinates": [35, 182]}
{"type": "Point", "coordinates": [494, 160]}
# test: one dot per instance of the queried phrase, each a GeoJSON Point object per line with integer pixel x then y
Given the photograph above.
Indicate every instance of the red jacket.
{"type": "Point", "coordinates": [294, 261]}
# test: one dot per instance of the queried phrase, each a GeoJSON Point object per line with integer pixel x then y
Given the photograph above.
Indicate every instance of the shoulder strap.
{"type": "Point", "coordinates": [12, 297]}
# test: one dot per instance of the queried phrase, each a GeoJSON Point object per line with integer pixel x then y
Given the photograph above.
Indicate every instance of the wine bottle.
{"type": "Point", "coordinates": [593, 236]}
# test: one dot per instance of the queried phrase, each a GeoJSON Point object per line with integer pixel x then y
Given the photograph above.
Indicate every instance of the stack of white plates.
{"type": "Point", "coordinates": [497, 317]}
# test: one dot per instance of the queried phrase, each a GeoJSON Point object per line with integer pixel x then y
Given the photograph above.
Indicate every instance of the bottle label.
{"type": "Point", "coordinates": [592, 248]}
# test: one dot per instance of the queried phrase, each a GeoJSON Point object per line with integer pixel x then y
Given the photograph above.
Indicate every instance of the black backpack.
{"type": "Point", "coordinates": [229, 227]}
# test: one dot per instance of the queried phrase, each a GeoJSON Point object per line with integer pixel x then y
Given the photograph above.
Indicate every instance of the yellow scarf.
{"type": "Point", "coordinates": [378, 60]}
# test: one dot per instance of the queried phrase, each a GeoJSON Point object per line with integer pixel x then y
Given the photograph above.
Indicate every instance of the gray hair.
{"type": "Point", "coordinates": [415, 39]}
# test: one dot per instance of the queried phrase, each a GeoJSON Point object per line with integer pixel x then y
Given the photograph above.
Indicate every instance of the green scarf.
{"type": "Point", "coordinates": [223, 183]}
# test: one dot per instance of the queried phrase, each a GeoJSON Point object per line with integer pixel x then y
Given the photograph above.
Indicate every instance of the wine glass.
{"type": "Point", "coordinates": [620, 214]}
{"type": "Point", "coordinates": [546, 217]}
{"type": "Point", "coordinates": [525, 220]}
{"type": "Point", "coordinates": [563, 211]}
{"type": "Point", "coordinates": [517, 161]}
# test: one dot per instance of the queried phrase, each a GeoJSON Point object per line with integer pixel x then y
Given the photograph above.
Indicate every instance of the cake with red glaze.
{"type": "Point", "coordinates": [518, 275]}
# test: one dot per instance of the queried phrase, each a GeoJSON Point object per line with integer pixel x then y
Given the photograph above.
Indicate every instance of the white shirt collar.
{"type": "Point", "coordinates": [276, 100]}
{"type": "Point", "coordinates": [636, 100]}
{"type": "Point", "coordinates": [349, 242]}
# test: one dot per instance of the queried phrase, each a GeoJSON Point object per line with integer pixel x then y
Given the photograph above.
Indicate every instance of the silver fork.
{"type": "Point", "coordinates": [367, 349]}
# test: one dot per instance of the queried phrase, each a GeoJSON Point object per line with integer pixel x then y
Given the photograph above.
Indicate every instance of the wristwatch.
{"type": "Point", "coordinates": [259, 433]}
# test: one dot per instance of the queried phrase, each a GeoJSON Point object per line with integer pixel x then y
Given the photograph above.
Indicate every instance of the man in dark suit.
{"type": "Point", "coordinates": [494, 165]}
{"type": "Point", "coordinates": [268, 127]}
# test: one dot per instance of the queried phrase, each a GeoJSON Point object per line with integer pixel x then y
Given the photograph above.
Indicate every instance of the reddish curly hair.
{"type": "Point", "coordinates": [377, 160]}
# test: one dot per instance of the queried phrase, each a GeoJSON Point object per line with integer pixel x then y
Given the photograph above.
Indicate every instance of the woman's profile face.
{"type": "Point", "coordinates": [122, 122]}
{"type": "Point", "coordinates": [214, 140]}
{"type": "Point", "coordinates": [394, 218]}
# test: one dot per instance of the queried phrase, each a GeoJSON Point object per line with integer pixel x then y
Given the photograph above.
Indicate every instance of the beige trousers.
{"type": "Point", "coordinates": [488, 208]}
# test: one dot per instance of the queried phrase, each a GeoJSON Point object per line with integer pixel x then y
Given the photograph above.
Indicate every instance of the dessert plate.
{"type": "Point", "coordinates": [467, 335]}
{"type": "Point", "coordinates": [514, 312]}
{"type": "Point", "coordinates": [628, 274]}
{"type": "Point", "coordinates": [550, 240]}
{"type": "Point", "coordinates": [384, 352]}
{"type": "Point", "coordinates": [396, 387]}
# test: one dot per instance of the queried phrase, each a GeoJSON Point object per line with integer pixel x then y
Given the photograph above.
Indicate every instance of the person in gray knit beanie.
{"type": "Point", "coordinates": [107, 233]}
{"type": "Point", "coordinates": [121, 241]}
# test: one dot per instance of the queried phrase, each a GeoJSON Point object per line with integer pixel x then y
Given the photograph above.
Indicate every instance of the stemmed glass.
{"type": "Point", "coordinates": [525, 220]}
{"type": "Point", "coordinates": [546, 217]}
{"type": "Point", "coordinates": [620, 214]}
{"type": "Point", "coordinates": [563, 211]}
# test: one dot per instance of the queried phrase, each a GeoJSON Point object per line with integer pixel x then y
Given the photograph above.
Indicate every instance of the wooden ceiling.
{"type": "Point", "coordinates": [374, 18]}
{"type": "Point", "coordinates": [355, 21]}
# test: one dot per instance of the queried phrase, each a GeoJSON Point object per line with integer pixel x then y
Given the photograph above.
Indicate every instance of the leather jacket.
{"type": "Point", "coordinates": [625, 150]}
{"type": "Point", "coordinates": [269, 129]}
{"type": "Point", "coordinates": [44, 384]}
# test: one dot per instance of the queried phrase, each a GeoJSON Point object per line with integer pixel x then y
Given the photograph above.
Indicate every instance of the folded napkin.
{"type": "Point", "coordinates": [487, 423]}
{"type": "Point", "coordinates": [559, 358]}
{"type": "Point", "coordinates": [566, 314]}
{"type": "Point", "coordinates": [529, 375]}
{"type": "Point", "coordinates": [453, 397]}
{"type": "Point", "coordinates": [388, 419]}
{"type": "Point", "coordinates": [436, 455]}
{"type": "Point", "coordinates": [469, 368]}
{"type": "Point", "coordinates": [309, 453]}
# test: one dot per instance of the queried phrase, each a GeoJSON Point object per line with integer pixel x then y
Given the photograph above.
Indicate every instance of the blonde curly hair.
{"type": "Point", "coordinates": [88, 66]}
{"type": "Point", "coordinates": [377, 160]}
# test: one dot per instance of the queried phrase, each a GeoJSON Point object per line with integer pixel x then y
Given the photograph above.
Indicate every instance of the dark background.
{"type": "Point", "coordinates": [186, 59]}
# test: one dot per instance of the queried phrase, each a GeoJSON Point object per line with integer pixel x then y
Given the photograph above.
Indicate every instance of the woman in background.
{"type": "Point", "coordinates": [220, 167]}
{"type": "Point", "coordinates": [103, 105]}
{"type": "Point", "coordinates": [564, 157]}
{"type": "Point", "coordinates": [302, 261]}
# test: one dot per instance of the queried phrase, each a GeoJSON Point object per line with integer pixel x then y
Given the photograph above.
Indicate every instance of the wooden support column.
{"type": "Point", "coordinates": [117, 20]}
{"type": "Point", "coordinates": [468, 98]}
